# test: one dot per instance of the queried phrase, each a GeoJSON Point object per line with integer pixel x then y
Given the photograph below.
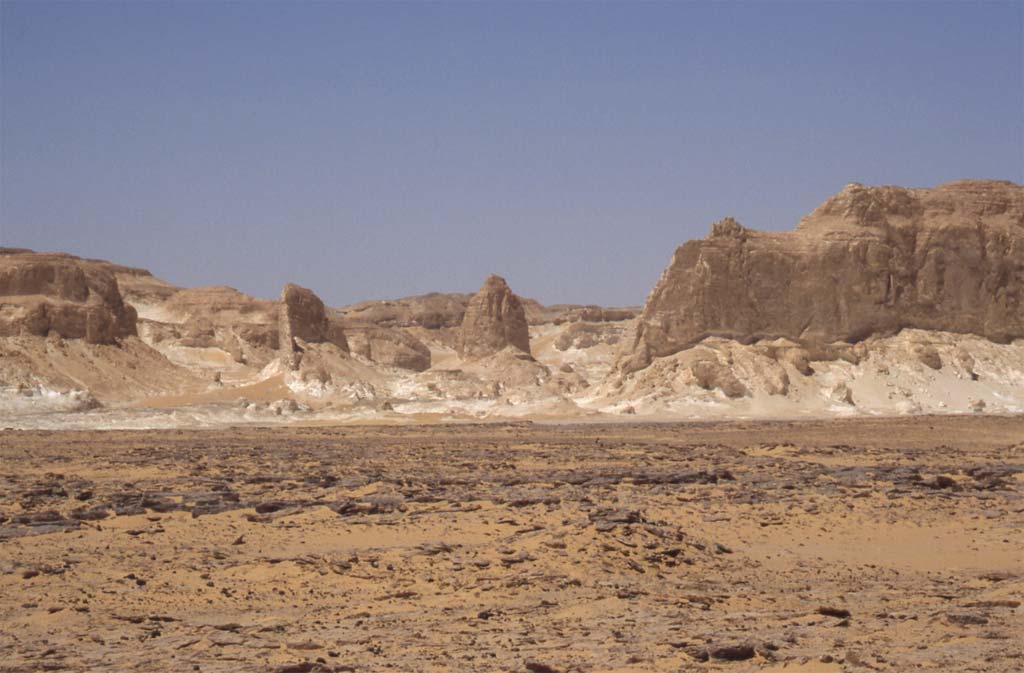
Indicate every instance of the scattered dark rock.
{"type": "Point", "coordinates": [539, 667]}
{"type": "Point", "coordinates": [732, 651]}
{"type": "Point", "coordinates": [966, 618]}
{"type": "Point", "coordinates": [90, 513]}
{"type": "Point", "coordinates": [303, 667]}
{"type": "Point", "coordinates": [942, 481]}
{"type": "Point", "coordinates": [270, 506]}
{"type": "Point", "coordinates": [841, 613]}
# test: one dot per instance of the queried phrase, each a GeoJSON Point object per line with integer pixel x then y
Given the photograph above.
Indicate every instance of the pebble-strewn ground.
{"type": "Point", "coordinates": [870, 544]}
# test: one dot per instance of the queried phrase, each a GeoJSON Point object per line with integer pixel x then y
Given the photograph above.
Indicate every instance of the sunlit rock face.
{"type": "Point", "coordinates": [304, 317]}
{"type": "Point", "coordinates": [868, 261]}
{"type": "Point", "coordinates": [61, 294]}
{"type": "Point", "coordinates": [494, 320]}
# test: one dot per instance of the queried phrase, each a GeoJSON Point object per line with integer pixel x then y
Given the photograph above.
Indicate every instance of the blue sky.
{"type": "Point", "coordinates": [381, 150]}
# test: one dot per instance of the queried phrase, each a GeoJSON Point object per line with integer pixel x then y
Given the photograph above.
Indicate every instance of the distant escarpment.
{"type": "Point", "coordinates": [869, 261]}
{"type": "Point", "coordinates": [61, 294]}
{"type": "Point", "coordinates": [430, 311]}
{"type": "Point", "coordinates": [439, 311]}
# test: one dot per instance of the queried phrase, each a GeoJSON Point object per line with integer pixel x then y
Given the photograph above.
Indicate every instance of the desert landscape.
{"type": "Point", "coordinates": [511, 337]}
{"type": "Point", "coordinates": [805, 453]}
{"type": "Point", "coordinates": [882, 301]}
{"type": "Point", "coordinates": [841, 545]}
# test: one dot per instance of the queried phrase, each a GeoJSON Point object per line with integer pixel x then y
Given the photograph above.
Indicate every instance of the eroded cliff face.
{"type": "Point", "coordinates": [72, 297]}
{"type": "Point", "coordinates": [869, 261]}
{"type": "Point", "coordinates": [304, 317]}
{"type": "Point", "coordinates": [391, 346]}
{"type": "Point", "coordinates": [495, 319]}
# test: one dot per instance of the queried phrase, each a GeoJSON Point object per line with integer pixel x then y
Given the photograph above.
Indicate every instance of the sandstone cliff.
{"type": "Point", "coordinates": [69, 296]}
{"type": "Point", "coordinates": [495, 319]}
{"type": "Point", "coordinates": [868, 261]}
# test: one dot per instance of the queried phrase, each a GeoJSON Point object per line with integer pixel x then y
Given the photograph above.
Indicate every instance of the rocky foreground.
{"type": "Point", "coordinates": [852, 545]}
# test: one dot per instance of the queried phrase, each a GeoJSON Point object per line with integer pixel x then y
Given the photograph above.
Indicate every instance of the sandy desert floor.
{"type": "Point", "coordinates": [843, 545]}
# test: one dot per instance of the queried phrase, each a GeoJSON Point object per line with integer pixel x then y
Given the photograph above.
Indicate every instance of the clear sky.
{"type": "Point", "coordinates": [381, 150]}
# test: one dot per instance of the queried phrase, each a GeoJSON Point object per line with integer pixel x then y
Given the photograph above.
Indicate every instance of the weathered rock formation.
{"type": "Point", "coordinates": [868, 261]}
{"type": "Point", "coordinates": [304, 318]}
{"type": "Point", "coordinates": [217, 317]}
{"type": "Point", "coordinates": [216, 302]}
{"type": "Point", "coordinates": [434, 310]}
{"type": "Point", "coordinates": [139, 287]}
{"type": "Point", "coordinates": [557, 314]}
{"type": "Point", "coordinates": [494, 320]}
{"type": "Point", "coordinates": [438, 311]}
{"type": "Point", "coordinates": [390, 346]}
{"type": "Point", "coordinates": [583, 335]}
{"type": "Point", "coordinates": [69, 296]}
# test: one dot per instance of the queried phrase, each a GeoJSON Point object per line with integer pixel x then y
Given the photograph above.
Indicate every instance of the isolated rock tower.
{"type": "Point", "coordinates": [494, 320]}
{"type": "Point", "coordinates": [304, 318]}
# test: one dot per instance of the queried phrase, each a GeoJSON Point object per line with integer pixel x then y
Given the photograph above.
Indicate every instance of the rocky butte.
{"type": "Point", "coordinates": [71, 297]}
{"type": "Point", "coordinates": [868, 261]}
{"type": "Point", "coordinates": [495, 319]}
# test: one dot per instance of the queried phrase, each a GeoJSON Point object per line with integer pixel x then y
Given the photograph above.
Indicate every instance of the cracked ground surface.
{"type": "Point", "coordinates": [844, 545]}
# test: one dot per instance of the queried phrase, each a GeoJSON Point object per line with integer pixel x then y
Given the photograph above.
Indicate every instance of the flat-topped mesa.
{"type": "Point", "coordinates": [495, 319]}
{"type": "Point", "coordinates": [303, 317]}
{"type": "Point", "coordinates": [868, 261]}
{"type": "Point", "coordinates": [72, 297]}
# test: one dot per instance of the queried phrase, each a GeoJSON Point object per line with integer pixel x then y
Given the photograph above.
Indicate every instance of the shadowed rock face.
{"type": "Point", "coordinates": [870, 260]}
{"type": "Point", "coordinates": [304, 317]}
{"type": "Point", "coordinates": [390, 346]}
{"type": "Point", "coordinates": [494, 319]}
{"type": "Point", "coordinates": [73, 297]}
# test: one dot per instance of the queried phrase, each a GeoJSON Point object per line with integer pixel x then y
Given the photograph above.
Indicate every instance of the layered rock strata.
{"type": "Point", "coordinates": [869, 261]}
